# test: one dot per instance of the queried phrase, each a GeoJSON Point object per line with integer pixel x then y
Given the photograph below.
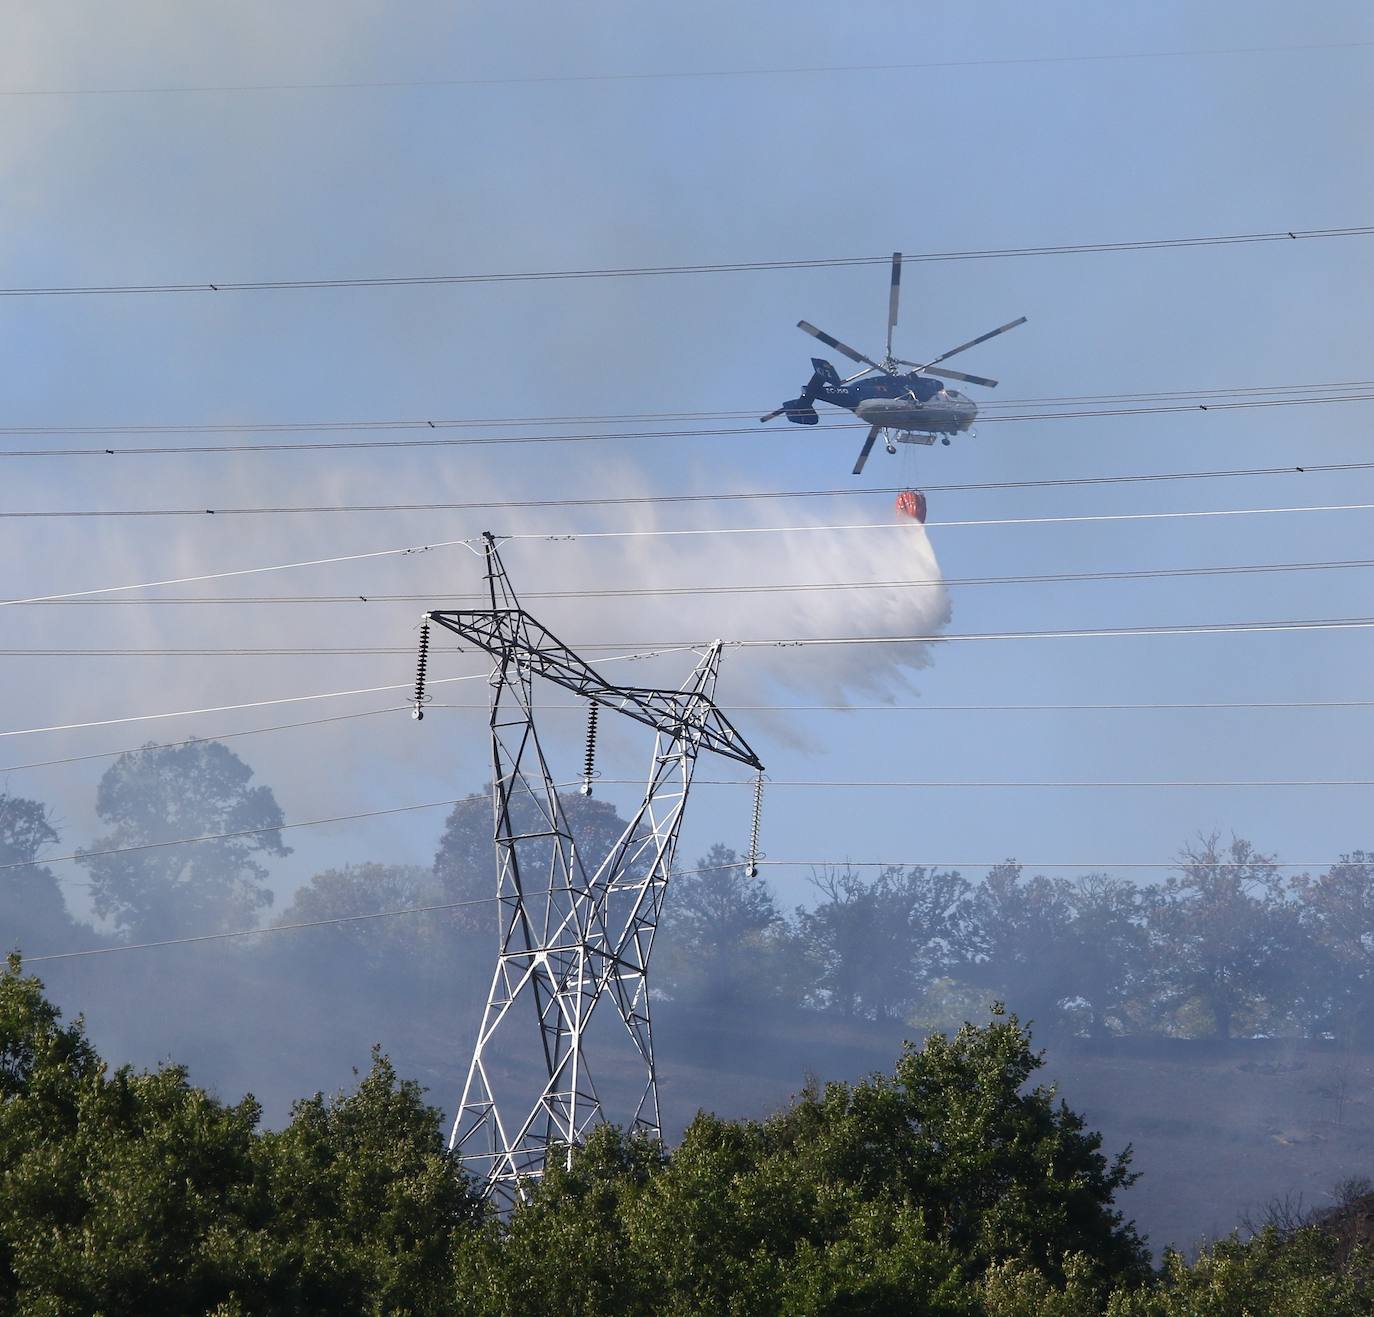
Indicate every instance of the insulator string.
{"type": "Point", "coordinates": [589, 761]}
{"type": "Point", "coordinates": [751, 868]}
{"type": "Point", "coordinates": [421, 666]}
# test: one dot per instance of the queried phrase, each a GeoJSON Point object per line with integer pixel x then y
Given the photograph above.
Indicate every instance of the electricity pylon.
{"type": "Point", "coordinates": [571, 932]}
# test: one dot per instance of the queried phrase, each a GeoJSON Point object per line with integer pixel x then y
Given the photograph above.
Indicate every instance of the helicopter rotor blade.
{"type": "Point", "coordinates": [866, 449]}
{"type": "Point", "coordinates": [973, 342]}
{"type": "Point", "coordinates": [835, 343]}
{"type": "Point", "coordinates": [957, 375]}
{"type": "Point", "coordinates": [857, 375]}
{"type": "Point", "coordinates": [894, 294]}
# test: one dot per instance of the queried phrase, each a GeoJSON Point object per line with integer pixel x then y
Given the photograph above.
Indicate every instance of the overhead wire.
{"type": "Point", "coordinates": [264, 704]}
{"type": "Point", "coordinates": [471, 541]}
{"type": "Point", "coordinates": [813, 433]}
{"type": "Point", "coordinates": [667, 533]}
{"type": "Point", "coordinates": [671, 646]}
{"type": "Point", "coordinates": [654, 500]}
{"type": "Point", "coordinates": [234, 934]}
{"type": "Point", "coordinates": [712, 267]}
{"type": "Point", "coordinates": [83, 855]}
{"type": "Point", "coordinates": [1248, 706]}
{"type": "Point", "coordinates": [973, 784]}
{"type": "Point", "coordinates": [438, 599]}
{"type": "Point", "coordinates": [629, 418]}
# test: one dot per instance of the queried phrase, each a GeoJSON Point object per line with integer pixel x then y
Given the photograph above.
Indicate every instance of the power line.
{"type": "Point", "coordinates": [685, 75]}
{"type": "Point", "coordinates": [225, 836]}
{"type": "Point", "coordinates": [254, 932]}
{"type": "Point", "coordinates": [264, 704]}
{"type": "Point", "coordinates": [628, 418]}
{"type": "Point", "coordinates": [654, 534]}
{"type": "Point", "coordinates": [652, 500]}
{"type": "Point", "coordinates": [245, 571]}
{"type": "Point", "coordinates": [218, 736]}
{"type": "Point", "coordinates": [669, 646]}
{"type": "Point", "coordinates": [806, 587]}
{"type": "Point", "coordinates": [658, 533]}
{"type": "Point", "coordinates": [1159, 707]}
{"type": "Point", "coordinates": [1092, 866]}
{"type": "Point", "coordinates": [1248, 706]}
{"type": "Point", "coordinates": [719, 267]}
{"type": "Point", "coordinates": [698, 433]}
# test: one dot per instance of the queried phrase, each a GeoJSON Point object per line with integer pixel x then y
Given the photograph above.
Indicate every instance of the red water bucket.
{"type": "Point", "coordinates": [912, 503]}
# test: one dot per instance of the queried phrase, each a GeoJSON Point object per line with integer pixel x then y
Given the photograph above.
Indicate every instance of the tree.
{"type": "Point", "coordinates": [161, 794]}
{"type": "Point", "coordinates": [897, 1194]}
{"type": "Point", "coordinates": [1021, 934]}
{"type": "Point", "coordinates": [133, 1193]}
{"type": "Point", "coordinates": [465, 862]}
{"type": "Point", "coordinates": [362, 1207]}
{"type": "Point", "coordinates": [357, 891]}
{"type": "Point", "coordinates": [1107, 962]}
{"type": "Point", "coordinates": [1299, 1275]}
{"type": "Point", "coordinates": [1222, 932]}
{"type": "Point", "coordinates": [874, 945]}
{"type": "Point", "coordinates": [112, 1187]}
{"type": "Point", "coordinates": [1336, 910]}
{"type": "Point", "coordinates": [32, 912]}
{"type": "Point", "coordinates": [720, 934]}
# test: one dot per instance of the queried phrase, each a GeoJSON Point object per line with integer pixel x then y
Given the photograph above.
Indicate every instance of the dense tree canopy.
{"type": "Point", "coordinates": [135, 1193]}
{"type": "Point", "coordinates": [871, 944]}
{"type": "Point", "coordinates": [33, 915]}
{"type": "Point", "coordinates": [721, 940]}
{"type": "Point", "coordinates": [161, 794]}
{"type": "Point", "coordinates": [951, 1187]}
{"type": "Point", "coordinates": [465, 864]}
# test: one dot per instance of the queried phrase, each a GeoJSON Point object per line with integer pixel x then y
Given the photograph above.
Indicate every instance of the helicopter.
{"type": "Point", "coordinates": [911, 407]}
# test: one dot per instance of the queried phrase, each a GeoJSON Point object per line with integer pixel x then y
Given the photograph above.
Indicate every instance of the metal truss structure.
{"type": "Point", "coordinates": [573, 929]}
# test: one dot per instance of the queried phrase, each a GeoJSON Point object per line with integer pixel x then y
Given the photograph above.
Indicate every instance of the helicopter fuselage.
{"type": "Point", "coordinates": [911, 402]}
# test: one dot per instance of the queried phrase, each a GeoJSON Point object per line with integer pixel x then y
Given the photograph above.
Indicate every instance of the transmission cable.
{"type": "Point", "coordinates": [1248, 706]}
{"type": "Point", "coordinates": [264, 704]}
{"type": "Point", "coordinates": [630, 418]}
{"type": "Point", "coordinates": [814, 433]}
{"type": "Point", "coordinates": [1095, 866]}
{"type": "Point", "coordinates": [719, 267]}
{"type": "Point", "coordinates": [438, 600]}
{"type": "Point", "coordinates": [653, 500]}
{"type": "Point", "coordinates": [471, 542]}
{"type": "Point", "coordinates": [675, 646]}
{"type": "Point", "coordinates": [945, 784]}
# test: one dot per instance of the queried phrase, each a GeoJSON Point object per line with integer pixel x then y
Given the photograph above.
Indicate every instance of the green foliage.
{"type": "Point", "coordinates": [32, 913]}
{"type": "Point", "coordinates": [1337, 914]}
{"type": "Point", "coordinates": [1021, 935]}
{"type": "Point", "coordinates": [359, 1203]}
{"type": "Point", "coordinates": [131, 1193]}
{"type": "Point", "coordinates": [950, 1188]}
{"type": "Point", "coordinates": [465, 862]}
{"type": "Point", "coordinates": [391, 950]}
{"type": "Point", "coordinates": [1225, 928]}
{"type": "Point", "coordinates": [721, 941]}
{"type": "Point", "coordinates": [872, 946]}
{"type": "Point", "coordinates": [116, 1191]}
{"type": "Point", "coordinates": [893, 1195]}
{"type": "Point", "coordinates": [162, 794]}
{"type": "Point", "coordinates": [1297, 1275]}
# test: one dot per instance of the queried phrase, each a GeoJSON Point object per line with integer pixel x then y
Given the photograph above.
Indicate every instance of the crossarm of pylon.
{"type": "Point", "coordinates": [513, 633]}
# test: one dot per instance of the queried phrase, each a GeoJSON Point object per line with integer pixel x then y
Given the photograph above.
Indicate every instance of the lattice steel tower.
{"type": "Point", "coordinates": [571, 932]}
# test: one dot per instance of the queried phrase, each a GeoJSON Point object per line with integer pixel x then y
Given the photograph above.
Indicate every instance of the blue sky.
{"type": "Point", "coordinates": [220, 186]}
